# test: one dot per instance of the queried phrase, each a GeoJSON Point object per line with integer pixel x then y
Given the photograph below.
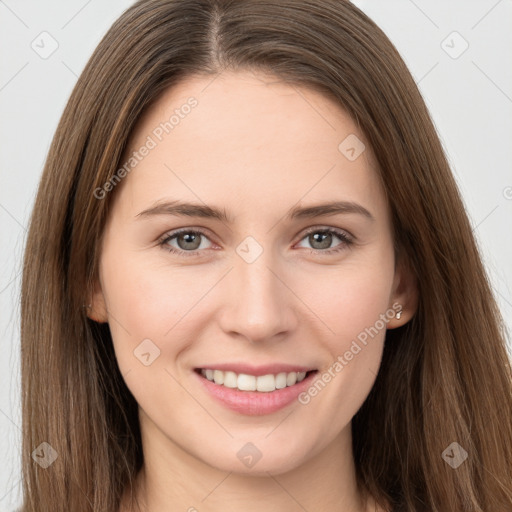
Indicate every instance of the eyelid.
{"type": "Point", "coordinates": [335, 230]}
{"type": "Point", "coordinates": [162, 241]}
{"type": "Point", "coordinates": [345, 236]}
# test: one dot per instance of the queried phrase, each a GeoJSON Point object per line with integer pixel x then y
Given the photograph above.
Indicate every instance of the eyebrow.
{"type": "Point", "coordinates": [184, 209]}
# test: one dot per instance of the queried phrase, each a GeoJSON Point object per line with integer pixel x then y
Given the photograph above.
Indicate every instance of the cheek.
{"type": "Point", "coordinates": [353, 296]}
{"type": "Point", "coordinates": [146, 303]}
{"type": "Point", "coordinates": [353, 303]}
{"type": "Point", "coordinates": [356, 305]}
{"type": "Point", "coordinates": [356, 317]}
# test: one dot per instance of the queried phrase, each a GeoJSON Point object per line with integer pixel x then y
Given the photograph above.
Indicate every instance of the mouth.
{"type": "Point", "coordinates": [257, 391]}
{"type": "Point", "coordinates": [267, 383]}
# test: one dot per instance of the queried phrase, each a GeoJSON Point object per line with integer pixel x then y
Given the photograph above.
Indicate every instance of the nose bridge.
{"type": "Point", "coordinates": [258, 306]}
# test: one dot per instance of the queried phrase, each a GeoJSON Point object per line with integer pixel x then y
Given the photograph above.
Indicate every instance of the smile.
{"type": "Point", "coordinates": [253, 395]}
{"type": "Point", "coordinates": [244, 382]}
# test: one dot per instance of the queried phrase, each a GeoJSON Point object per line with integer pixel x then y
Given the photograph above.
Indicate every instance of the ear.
{"type": "Point", "coordinates": [96, 306]}
{"type": "Point", "coordinates": [404, 296]}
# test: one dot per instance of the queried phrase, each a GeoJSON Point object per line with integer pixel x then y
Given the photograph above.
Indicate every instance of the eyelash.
{"type": "Point", "coordinates": [346, 240]}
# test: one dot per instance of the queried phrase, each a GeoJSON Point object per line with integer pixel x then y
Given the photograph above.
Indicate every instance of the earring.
{"type": "Point", "coordinates": [398, 314]}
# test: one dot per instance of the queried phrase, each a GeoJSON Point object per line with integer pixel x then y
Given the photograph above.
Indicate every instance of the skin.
{"type": "Point", "coordinates": [256, 147]}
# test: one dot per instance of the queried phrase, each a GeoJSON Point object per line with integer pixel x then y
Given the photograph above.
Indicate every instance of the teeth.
{"type": "Point", "coordinates": [291, 378]}
{"type": "Point", "coordinates": [265, 383]}
{"type": "Point", "coordinates": [244, 382]}
{"type": "Point", "coordinates": [218, 376]}
{"type": "Point", "coordinates": [280, 380]}
{"type": "Point", "coordinates": [230, 380]}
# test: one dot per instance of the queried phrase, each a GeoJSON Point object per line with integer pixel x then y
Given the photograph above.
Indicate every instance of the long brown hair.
{"type": "Point", "coordinates": [445, 375]}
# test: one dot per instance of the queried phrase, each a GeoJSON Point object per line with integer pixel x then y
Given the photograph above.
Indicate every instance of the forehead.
{"type": "Point", "coordinates": [255, 104]}
{"type": "Point", "coordinates": [233, 135]}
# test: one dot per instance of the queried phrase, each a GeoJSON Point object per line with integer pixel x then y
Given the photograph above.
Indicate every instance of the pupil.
{"type": "Point", "coordinates": [189, 238]}
{"type": "Point", "coordinates": [325, 239]}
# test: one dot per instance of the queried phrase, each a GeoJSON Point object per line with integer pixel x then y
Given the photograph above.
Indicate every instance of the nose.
{"type": "Point", "coordinates": [260, 305]}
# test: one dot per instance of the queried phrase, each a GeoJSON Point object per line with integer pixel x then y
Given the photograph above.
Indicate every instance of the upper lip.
{"type": "Point", "coordinates": [265, 369]}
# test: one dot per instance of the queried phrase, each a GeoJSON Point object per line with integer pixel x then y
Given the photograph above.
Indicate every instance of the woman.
{"type": "Point", "coordinates": [195, 353]}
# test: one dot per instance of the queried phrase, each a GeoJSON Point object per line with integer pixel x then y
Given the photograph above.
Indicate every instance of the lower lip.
{"type": "Point", "coordinates": [255, 403]}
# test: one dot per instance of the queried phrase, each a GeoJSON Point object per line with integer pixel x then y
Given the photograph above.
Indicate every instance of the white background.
{"type": "Point", "coordinates": [469, 97]}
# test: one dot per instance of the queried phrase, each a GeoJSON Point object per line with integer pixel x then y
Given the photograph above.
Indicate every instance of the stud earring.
{"type": "Point", "coordinates": [398, 314]}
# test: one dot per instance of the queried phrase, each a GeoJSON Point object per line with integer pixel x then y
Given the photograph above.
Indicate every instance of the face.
{"type": "Point", "coordinates": [219, 262]}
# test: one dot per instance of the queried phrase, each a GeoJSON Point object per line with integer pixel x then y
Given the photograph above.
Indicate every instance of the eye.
{"type": "Point", "coordinates": [188, 241]}
{"type": "Point", "coordinates": [322, 238]}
